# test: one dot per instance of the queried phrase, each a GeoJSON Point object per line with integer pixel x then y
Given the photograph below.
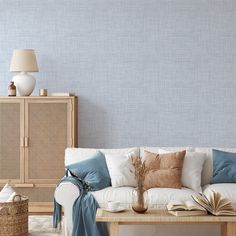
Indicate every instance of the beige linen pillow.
{"type": "Point", "coordinates": [166, 169]}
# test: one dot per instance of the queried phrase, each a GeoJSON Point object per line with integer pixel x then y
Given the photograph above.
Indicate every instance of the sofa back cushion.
{"type": "Point", "coordinates": [73, 155]}
{"type": "Point", "coordinates": [121, 170]}
{"type": "Point", "coordinates": [207, 171]}
{"type": "Point", "coordinates": [93, 171]}
{"type": "Point", "coordinates": [165, 169]}
{"type": "Point", "coordinates": [224, 167]}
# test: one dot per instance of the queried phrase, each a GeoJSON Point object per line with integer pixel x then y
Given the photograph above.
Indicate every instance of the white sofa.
{"type": "Point", "coordinates": [67, 193]}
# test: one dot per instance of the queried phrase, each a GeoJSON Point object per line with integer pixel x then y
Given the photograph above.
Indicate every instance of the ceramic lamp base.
{"type": "Point", "coordinates": [25, 83]}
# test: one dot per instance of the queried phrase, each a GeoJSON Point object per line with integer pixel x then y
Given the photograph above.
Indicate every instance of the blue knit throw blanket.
{"type": "Point", "coordinates": [84, 211]}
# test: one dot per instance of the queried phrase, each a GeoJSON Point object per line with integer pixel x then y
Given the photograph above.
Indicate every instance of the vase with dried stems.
{"type": "Point", "coordinates": [140, 195]}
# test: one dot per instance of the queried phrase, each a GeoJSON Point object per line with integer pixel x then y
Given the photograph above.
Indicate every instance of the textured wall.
{"type": "Point", "coordinates": [147, 72]}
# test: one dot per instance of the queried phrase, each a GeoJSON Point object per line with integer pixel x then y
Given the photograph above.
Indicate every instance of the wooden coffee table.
{"type": "Point", "coordinates": [159, 216]}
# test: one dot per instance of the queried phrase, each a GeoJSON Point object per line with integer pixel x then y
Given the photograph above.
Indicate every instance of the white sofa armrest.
{"type": "Point", "coordinates": [66, 194]}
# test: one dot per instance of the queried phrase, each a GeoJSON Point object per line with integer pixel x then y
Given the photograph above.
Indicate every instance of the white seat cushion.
{"type": "Point", "coordinates": [121, 194]}
{"type": "Point", "coordinates": [227, 190]}
{"type": "Point", "coordinates": [160, 197]}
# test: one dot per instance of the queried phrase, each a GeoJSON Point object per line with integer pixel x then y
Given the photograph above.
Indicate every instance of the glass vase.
{"type": "Point", "coordinates": [140, 200]}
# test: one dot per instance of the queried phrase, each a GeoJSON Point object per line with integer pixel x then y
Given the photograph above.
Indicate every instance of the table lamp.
{"type": "Point", "coordinates": [23, 61]}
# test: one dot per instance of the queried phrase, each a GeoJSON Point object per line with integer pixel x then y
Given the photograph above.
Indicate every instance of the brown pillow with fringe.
{"type": "Point", "coordinates": [166, 169]}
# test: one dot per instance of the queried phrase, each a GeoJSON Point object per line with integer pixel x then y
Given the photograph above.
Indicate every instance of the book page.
{"type": "Point", "coordinates": [202, 201]}
{"type": "Point", "coordinates": [215, 204]}
{"type": "Point", "coordinates": [217, 200]}
{"type": "Point", "coordinates": [191, 205]}
{"type": "Point", "coordinates": [224, 203]}
{"type": "Point", "coordinates": [214, 201]}
{"type": "Point", "coordinates": [225, 213]}
{"type": "Point", "coordinates": [176, 205]}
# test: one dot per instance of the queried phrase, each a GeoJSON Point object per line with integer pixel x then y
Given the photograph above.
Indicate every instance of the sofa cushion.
{"type": "Point", "coordinates": [207, 171]}
{"type": "Point", "coordinates": [224, 167]}
{"type": "Point", "coordinates": [192, 169]}
{"type": "Point", "coordinates": [121, 194]}
{"type": "Point", "coordinates": [227, 190]}
{"type": "Point", "coordinates": [93, 171]}
{"type": "Point", "coordinates": [73, 155]}
{"type": "Point", "coordinates": [121, 170]}
{"type": "Point", "coordinates": [165, 169]}
{"type": "Point", "coordinates": [158, 197]}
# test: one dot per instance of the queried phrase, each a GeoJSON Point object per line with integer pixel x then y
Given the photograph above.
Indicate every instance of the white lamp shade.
{"type": "Point", "coordinates": [23, 60]}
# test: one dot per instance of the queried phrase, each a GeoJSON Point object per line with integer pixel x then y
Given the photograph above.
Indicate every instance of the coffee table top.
{"type": "Point", "coordinates": [157, 216]}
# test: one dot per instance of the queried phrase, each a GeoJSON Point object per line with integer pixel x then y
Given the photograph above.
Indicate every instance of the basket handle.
{"type": "Point", "coordinates": [14, 198]}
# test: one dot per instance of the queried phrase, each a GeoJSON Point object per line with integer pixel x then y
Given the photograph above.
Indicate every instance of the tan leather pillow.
{"type": "Point", "coordinates": [166, 169]}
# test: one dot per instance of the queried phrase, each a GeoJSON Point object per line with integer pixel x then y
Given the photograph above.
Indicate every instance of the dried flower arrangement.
{"type": "Point", "coordinates": [140, 172]}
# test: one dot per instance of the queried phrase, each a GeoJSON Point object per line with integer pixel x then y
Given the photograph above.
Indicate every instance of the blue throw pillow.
{"type": "Point", "coordinates": [224, 167]}
{"type": "Point", "coordinates": [93, 171]}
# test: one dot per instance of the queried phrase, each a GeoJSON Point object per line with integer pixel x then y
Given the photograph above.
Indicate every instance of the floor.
{"type": "Point", "coordinates": [41, 225]}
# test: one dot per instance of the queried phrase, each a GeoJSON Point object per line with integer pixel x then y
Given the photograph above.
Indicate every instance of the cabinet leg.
{"type": "Point", "coordinates": [114, 229]}
{"type": "Point", "coordinates": [230, 229]}
{"type": "Point", "coordinates": [223, 229]}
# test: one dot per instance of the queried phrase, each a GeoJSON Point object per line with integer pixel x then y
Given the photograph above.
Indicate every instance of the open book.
{"type": "Point", "coordinates": [187, 208]}
{"type": "Point", "coordinates": [215, 204]}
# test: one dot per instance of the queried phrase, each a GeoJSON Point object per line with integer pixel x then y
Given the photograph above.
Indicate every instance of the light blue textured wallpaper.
{"type": "Point", "coordinates": [147, 72]}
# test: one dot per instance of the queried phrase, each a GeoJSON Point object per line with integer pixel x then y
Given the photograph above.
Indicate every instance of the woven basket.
{"type": "Point", "coordinates": [14, 217]}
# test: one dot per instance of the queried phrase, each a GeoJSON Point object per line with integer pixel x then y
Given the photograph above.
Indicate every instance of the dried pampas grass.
{"type": "Point", "coordinates": [140, 170]}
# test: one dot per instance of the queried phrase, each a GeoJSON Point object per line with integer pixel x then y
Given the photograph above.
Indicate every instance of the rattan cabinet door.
{"type": "Point", "coordinates": [47, 134]}
{"type": "Point", "coordinates": [11, 137]}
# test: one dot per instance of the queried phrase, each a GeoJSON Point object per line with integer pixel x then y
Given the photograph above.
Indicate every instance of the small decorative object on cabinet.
{"type": "Point", "coordinates": [23, 61]}
{"type": "Point", "coordinates": [43, 92]}
{"type": "Point", "coordinates": [11, 89]}
{"type": "Point", "coordinates": [65, 94]}
{"type": "Point", "coordinates": [34, 134]}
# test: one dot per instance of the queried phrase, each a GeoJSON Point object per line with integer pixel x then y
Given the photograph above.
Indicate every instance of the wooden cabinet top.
{"type": "Point", "coordinates": [38, 97]}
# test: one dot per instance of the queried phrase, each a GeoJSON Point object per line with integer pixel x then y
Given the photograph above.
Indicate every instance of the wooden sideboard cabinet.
{"type": "Point", "coordinates": [34, 132]}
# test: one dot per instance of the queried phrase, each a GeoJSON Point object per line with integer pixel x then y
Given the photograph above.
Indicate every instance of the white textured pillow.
{"type": "Point", "coordinates": [119, 167]}
{"type": "Point", "coordinates": [6, 192]}
{"type": "Point", "coordinates": [192, 169]}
